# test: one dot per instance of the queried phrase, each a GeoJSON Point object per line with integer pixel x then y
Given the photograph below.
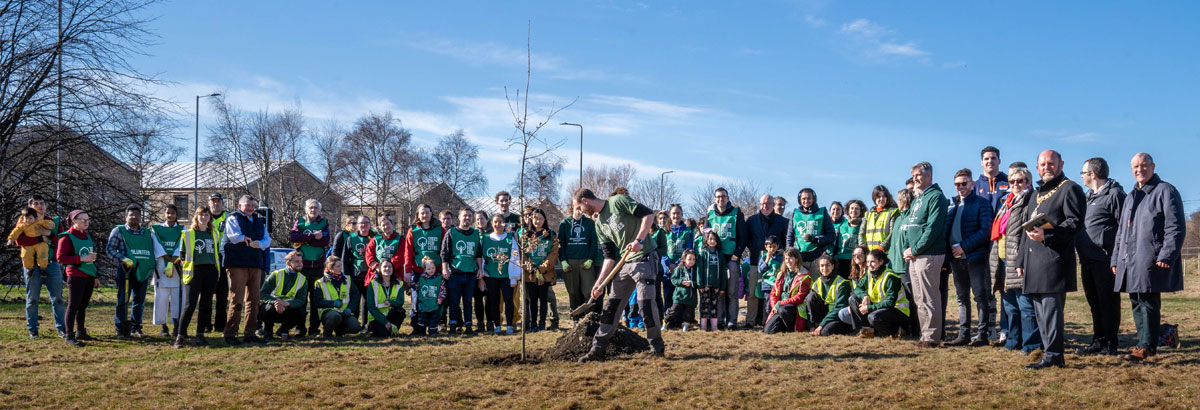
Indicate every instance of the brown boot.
{"type": "Point", "coordinates": [1137, 355]}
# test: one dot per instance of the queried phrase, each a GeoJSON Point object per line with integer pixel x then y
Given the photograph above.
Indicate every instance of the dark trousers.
{"type": "Point", "coordinates": [428, 319]}
{"type": "Point", "coordinates": [220, 309]}
{"type": "Point", "coordinates": [886, 321]}
{"type": "Point", "coordinates": [783, 321]}
{"type": "Point", "coordinates": [358, 288]}
{"type": "Point", "coordinates": [127, 282]}
{"type": "Point", "coordinates": [1147, 308]}
{"type": "Point", "coordinates": [1049, 310]}
{"type": "Point", "coordinates": [817, 310]}
{"type": "Point", "coordinates": [80, 294]}
{"type": "Point", "coordinates": [480, 305]}
{"type": "Point", "coordinates": [199, 292]}
{"type": "Point", "coordinates": [459, 291]}
{"type": "Point", "coordinates": [678, 314]}
{"type": "Point", "coordinates": [289, 319]}
{"type": "Point", "coordinates": [339, 323]}
{"type": "Point", "coordinates": [394, 316]}
{"type": "Point", "coordinates": [971, 278]}
{"type": "Point", "coordinates": [311, 275]}
{"type": "Point", "coordinates": [1105, 304]}
{"type": "Point", "coordinates": [497, 289]}
{"type": "Point", "coordinates": [667, 294]}
{"type": "Point", "coordinates": [536, 305]}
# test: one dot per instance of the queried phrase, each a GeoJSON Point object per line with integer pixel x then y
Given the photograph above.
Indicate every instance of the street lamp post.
{"type": "Point", "coordinates": [662, 188]}
{"type": "Point", "coordinates": [580, 151]}
{"type": "Point", "coordinates": [196, 164]}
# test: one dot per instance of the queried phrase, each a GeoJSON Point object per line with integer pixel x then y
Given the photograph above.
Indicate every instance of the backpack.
{"type": "Point", "coordinates": [1168, 336]}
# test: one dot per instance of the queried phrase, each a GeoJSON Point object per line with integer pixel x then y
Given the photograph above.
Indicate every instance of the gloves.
{"type": "Point", "coordinates": [337, 303]}
{"type": "Point", "coordinates": [566, 266]}
{"type": "Point", "coordinates": [808, 237]}
{"type": "Point", "coordinates": [169, 270]}
{"type": "Point", "coordinates": [128, 263]}
{"type": "Point", "coordinates": [587, 264]}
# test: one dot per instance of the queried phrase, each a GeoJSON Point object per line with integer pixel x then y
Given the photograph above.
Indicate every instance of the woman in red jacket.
{"type": "Point", "coordinates": [386, 246]}
{"type": "Point", "coordinates": [76, 252]}
{"type": "Point", "coordinates": [788, 313]}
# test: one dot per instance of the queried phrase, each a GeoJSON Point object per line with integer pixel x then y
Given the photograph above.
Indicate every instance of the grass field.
{"type": "Point", "coordinates": [704, 370]}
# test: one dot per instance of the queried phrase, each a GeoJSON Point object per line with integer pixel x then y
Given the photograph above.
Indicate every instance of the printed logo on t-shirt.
{"type": "Point", "coordinates": [426, 244]}
{"type": "Point", "coordinates": [724, 229]}
{"type": "Point", "coordinates": [464, 247]}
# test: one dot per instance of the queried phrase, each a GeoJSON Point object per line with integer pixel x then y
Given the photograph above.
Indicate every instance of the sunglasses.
{"type": "Point", "coordinates": [962, 183]}
{"type": "Point", "coordinates": [1016, 181]}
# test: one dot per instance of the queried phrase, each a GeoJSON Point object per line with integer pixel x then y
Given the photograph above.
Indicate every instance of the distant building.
{"type": "Point", "coordinates": [401, 203]}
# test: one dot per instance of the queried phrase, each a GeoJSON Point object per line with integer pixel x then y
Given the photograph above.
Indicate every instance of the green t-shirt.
{"type": "Point", "coordinates": [495, 251]}
{"type": "Point", "coordinates": [539, 248]}
{"type": "Point", "coordinates": [677, 243]}
{"type": "Point", "coordinates": [205, 252]}
{"type": "Point", "coordinates": [385, 249]}
{"type": "Point", "coordinates": [617, 225]}
{"type": "Point", "coordinates": [429, 289]}
{"type": "Point", "coordinates": [358, 251]}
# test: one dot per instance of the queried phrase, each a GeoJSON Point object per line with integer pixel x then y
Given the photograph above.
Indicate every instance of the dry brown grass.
{"type": "Point", "coordinates": [704, 370]}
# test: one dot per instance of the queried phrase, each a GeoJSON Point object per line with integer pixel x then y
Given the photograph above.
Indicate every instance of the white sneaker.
{"type": "Point", "coordinates": [509, 331]}
{"type": "Point", "coordinates": [1003, 338]}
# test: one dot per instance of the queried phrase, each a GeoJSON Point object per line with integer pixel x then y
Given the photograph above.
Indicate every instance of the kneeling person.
{"type": "Point", "coordinates": [282, 296]}
{"type": "Point", "coordinates": [792, 286]}
{"type": "Point", "coordinates": [385, 302]}
{"type": "Point", "coordinates": [878, 304]}
{"type": "Point", "coordinates": [332, 299]}
{"type": "Point", "coordinates": [830, 294]}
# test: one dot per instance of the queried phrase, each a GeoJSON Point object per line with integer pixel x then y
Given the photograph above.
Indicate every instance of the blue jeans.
{"type": "Point", "coordinates": [139, 300]}
{"type": "Point", "coordinates": [1022, 322]}
{"type": "Point", "coordinates": [52, 278]}
{"type": "Point", "coordinates": [459, 291]}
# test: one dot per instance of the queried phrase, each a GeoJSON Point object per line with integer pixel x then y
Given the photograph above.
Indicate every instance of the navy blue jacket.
{"type": "Point", "coordinates": [759, 227]}
{"type": "Point", "coordinates": [240, 255]}
{"type": "Point", "coordinates": [994, 190]}
{"type": "Point", "coordinates": [976, 225]}
{"type": "Point", "coordinates": [1151, 229]}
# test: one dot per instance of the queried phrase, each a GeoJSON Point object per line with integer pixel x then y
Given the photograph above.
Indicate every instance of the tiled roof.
{"type": "Point", "coordinates": [213, 175]}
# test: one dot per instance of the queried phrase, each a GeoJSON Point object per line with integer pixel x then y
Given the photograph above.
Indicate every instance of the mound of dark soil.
{"type": "Point", "coordinates": [576, 342]}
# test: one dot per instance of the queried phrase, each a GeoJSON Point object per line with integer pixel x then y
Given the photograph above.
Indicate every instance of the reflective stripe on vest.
{"type": "Point", "coordinates": [279, 292]}
{"type": "Point", "coordinates": [829, 294]}
{"type": "Point", "coordinates": [877, 227]}
{"type": "Point", "coordinates": [383, 295]}
{"type": "Point", "coordinates": [875, 290]}
{"type": "Point", "coordinates": [330, 292]}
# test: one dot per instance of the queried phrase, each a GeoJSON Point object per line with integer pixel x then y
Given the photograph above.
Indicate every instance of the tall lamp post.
{"type": "Point", "coordinates": [662, 188]}
{"type": "Point", "coordinates": [196, 165]}
{"type": "Point", "coordinates": [580, 150]}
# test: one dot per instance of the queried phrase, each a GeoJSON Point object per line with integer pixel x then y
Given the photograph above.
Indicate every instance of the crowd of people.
{"type": "Point", "coordinates": [850, 268]}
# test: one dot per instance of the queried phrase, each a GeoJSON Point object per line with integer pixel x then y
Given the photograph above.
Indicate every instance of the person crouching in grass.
{"type": "Point", "coordinates": [385, 302]}
{"type": "Point", "coordinates": [830, 294]}
{"type": "Point", "coordinates": [879, 305]}
{"type": "Point", "coordinates": [332, 301]}
{"type": "Point", "coordinates": [283, 296]}
{"type": "Point", "coordinates": [683, 298]}
{"type": "Point", "coordinates": [792, 286]}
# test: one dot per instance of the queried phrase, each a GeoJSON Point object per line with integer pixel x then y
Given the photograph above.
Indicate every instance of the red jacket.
{"type": "Point", "coordinates": [65, 253]}
{"type": "Point", "coordinates": [411, 265]}
{"type": "Point", "coordinates": [799, 289]}
{"type": "Point", "coordinates": [397, 259]}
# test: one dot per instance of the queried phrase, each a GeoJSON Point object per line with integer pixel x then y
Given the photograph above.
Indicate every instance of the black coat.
{"type": "Point", "coordinates": [759, 227]}
{"type": "Point", "coordinates": [1050, 265]}
{"type": "Point", "coordinates": [1151, 230]}
{"type": "Point", "coordinates": [1095, 242]}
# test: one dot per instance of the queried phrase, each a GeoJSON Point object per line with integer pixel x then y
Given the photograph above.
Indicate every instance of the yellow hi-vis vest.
{"type": "Point", "coordinates": [189, 250]}
{"type": "Point", "coordinates": [382, 295]}
{"type": "Point", "coordinates": [285, 294]}
{"type": "Point", "coordinates": [829, 294]}
{"type": "Point", "coordinates": [877, 227]}
{"type": "Point", "coordinates": [331, 292]}
{"type": "Point", "coordinates": [875, 290]}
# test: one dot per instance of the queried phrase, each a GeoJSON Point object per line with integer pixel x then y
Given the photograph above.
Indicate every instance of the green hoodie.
{"type": "Point", "coordinates": [925, 230]}
{"type": "Point", "coordinates": [577, 240]}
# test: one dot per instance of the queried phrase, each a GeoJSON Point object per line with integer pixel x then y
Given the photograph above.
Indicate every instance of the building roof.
{"type": "Point", "coordinates": [405, 192]}
{"type": "Point", "coordinates": [214, 174]}
{"type": "Point", "coordinates": [488, 204]}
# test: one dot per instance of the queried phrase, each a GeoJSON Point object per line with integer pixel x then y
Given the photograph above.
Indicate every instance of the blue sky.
{"type": "Point", "coordinates": [837, 96]}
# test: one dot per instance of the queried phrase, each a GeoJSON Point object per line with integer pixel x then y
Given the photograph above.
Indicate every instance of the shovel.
{"type": "Point", "coordinates": [583, 309]}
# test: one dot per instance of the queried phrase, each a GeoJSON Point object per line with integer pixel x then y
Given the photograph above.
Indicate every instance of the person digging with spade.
{"type": "Point", "coordinates": [622, 224]}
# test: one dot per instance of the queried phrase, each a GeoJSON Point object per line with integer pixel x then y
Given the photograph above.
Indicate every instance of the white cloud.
{"type": "Point", "coordinates": [814, 21]}
{"type": "Point", "coordinates": [1080, 137]}
{"type": "Point", "coordinates": [750, 51]}
{"type": "Point", "coordinates": [908, 49]}
{"type": "Point", "coordinates": [492, 53]}
{"type": "Point", "coordinates": [865, 28]}
{"type": "Point", "coordinates": [651, 107]}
